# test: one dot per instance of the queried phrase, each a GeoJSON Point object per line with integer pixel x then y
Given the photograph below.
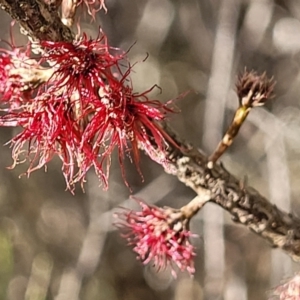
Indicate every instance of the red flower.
{"type": "Point", "coordinates": [50, 128]}
{"type": "Point", "coordinates": [85, 63]}
{"type": "Point", "coordinates": [81, 108]}
{"type": "Point", "coordinates": [159, 235]}
{"type": "Point", "coordinates": [123, 119]}
{"type": "Point", "coordinates": [110, 113]}
{"type": "Point", "coordinates": [47, 130]}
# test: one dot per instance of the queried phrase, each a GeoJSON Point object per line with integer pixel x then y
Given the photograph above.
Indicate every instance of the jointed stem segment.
{"type": "Point", "coordinates": [253, 90]}
{"type": "Point", "coordinates": [238, 119]}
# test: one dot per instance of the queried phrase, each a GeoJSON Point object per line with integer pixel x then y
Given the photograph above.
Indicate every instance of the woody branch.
{"type": "Point", "coordinates": [245, 204]}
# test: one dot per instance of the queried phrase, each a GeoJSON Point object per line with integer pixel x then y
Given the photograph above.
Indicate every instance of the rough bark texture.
{"type": "Point", "coordinates": [38, 20]}
{"type": "Point", "coordinates": [245, 204]}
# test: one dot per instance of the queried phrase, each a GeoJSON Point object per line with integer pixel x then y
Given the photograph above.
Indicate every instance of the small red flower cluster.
{"type": "Point", "coordinates": [160, 236]}
{"type": "Point", "coordinates": [80, 108]}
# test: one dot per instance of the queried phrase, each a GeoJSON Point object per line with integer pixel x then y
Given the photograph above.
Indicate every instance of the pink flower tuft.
{"type": "Point", "coordinates": [159, 235]}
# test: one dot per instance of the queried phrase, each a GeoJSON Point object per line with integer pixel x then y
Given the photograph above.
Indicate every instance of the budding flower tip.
{"type": "Point", "coordinates": [254, 89]}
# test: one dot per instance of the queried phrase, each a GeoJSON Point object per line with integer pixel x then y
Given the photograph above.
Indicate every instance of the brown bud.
{"type": "Point", "coordinates": [253, 89]}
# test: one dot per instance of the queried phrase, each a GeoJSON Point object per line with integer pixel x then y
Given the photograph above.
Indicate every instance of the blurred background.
{"type": "Point", "coordinates": [54, 245]}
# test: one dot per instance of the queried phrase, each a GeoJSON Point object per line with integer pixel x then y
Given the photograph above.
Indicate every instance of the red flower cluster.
{"type": "Point", "coordinates": [80, 108]}
{"type": "Point", "coordinates": [159, 236]}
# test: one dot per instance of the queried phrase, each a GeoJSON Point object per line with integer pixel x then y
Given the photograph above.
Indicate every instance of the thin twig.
{"type": "Point", "coordinates": [245, 204]}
